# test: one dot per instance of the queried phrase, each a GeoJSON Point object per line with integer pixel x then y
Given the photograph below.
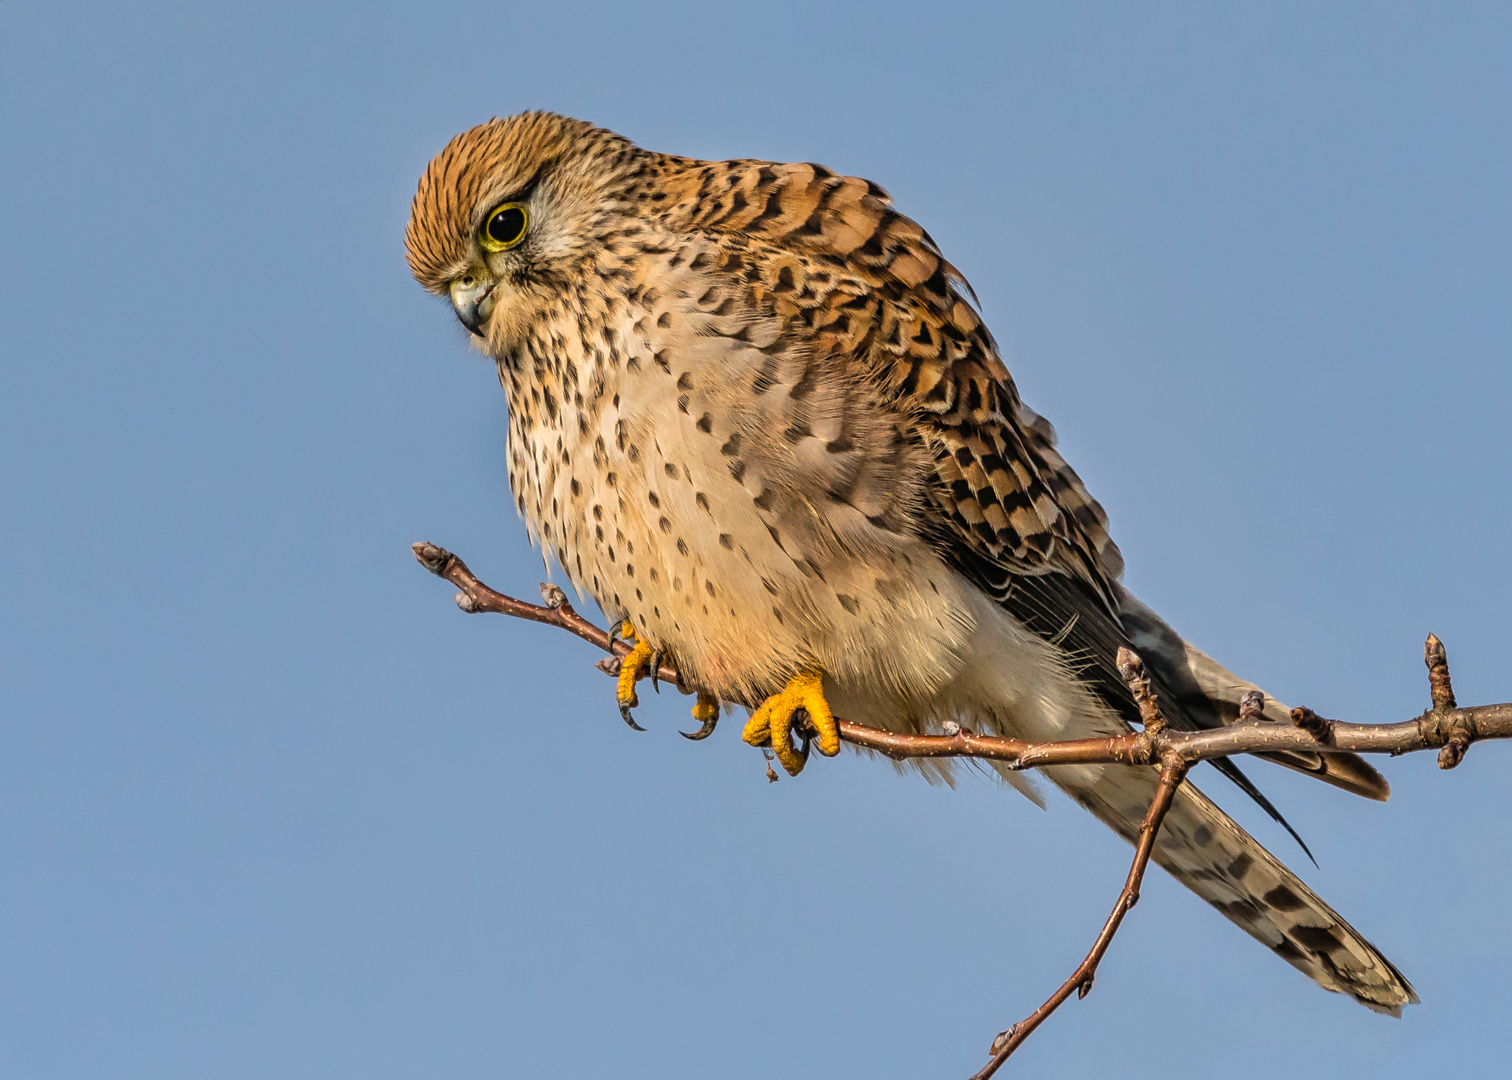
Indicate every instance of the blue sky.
{"type": "Point", "coordinates": [270, 806]}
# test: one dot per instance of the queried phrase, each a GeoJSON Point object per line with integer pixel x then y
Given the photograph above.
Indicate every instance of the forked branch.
{"type": "Point", "coordinates": [1445, 727]}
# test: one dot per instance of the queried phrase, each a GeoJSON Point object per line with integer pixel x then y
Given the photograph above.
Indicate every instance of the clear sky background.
{"type": "Point", "coordinates": [271, 806]}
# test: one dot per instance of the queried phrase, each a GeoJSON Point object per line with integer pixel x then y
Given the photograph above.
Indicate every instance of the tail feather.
{"type": "Point", "coordinates": [1210, 694]}
{"type": "Point", "coordinates": [1015, 682]}
{"type": "Point", "coordinates": [1207, 851]}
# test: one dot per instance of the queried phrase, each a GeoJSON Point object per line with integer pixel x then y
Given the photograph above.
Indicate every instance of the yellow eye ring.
{"type": "Point", "coordinates": [504, 227]}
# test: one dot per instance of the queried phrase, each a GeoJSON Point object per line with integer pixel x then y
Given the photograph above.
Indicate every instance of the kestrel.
{"type": "Point", "coordinates": [754, 415]}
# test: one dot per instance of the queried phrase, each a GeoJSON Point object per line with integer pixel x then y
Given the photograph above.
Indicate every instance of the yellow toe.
{"type": "Point", "coordinates": [632, 670]}
{"type": "Point", "coordinates": [706, 712]}
{"type": "Point", "coordinates": [773, 721]}
{"type": "Point", "coordinates": [635, 665]}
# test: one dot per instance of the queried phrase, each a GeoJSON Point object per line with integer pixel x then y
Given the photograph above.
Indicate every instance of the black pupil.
{"type": "Point", "coordinates": [507, 225]}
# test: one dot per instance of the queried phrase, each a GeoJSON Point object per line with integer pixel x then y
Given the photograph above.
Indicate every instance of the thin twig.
{"type": "Point", "coordinates": [1434, 729]}
{"type": "Point", "coordinates": [1171, 775]}
{"type": "Point", "coordinates": [1445, 727]}
{"type": "Point", "coordinates": [1442, 690]}
{"type": "Point", "coordinates": [477, 597]}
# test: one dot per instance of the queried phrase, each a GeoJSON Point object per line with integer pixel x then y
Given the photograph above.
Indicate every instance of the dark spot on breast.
{"type": "Point", "coordinates": [665, 525]}
{"type": "Point", "coordinates": [731, 447]}
{"type": "Point", "coordinates": [705, 423]}
{"type": "Point", "coordinates": [702, 501]}
{"type": "Point", "coordinates": [671, 470]}
{"type": "Point", "coordinates": [849, 603]}
{"type": "Point", "coordinates": [805, 384]}
{"type": "Point", "coordinates": [764, 500]}
{"type": "Point", "coordinates": [766, 378]}
{"type": "Point", "coordinates": [737, 470]}
{"type": "Point", "coordinates": [682, 547]}
{"type": "Point", "coordinates": [653, 498]}
{"type": "Point", "coordinates": [725, 541]}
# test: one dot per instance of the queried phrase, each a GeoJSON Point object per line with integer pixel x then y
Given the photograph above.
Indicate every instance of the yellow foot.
{"type": "Point", "coordinates": [706, 712]}
{"type": "Point", "coordinates": [640, 661]}
{"type": "Point", "coordinates": [773, 721]}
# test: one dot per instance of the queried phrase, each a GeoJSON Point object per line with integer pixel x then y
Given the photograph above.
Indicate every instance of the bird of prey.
{"type": "Point", "coordinates": [755, 415]}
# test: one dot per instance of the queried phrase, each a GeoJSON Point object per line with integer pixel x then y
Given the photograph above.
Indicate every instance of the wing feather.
{"type": "Point", "coordinates": [1004, 507]}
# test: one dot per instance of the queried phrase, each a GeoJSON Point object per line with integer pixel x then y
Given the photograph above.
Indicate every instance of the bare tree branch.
{"type": "Point", "coordinates": [1445, 727]}
{"type": "Point", "coordinates": [1171, 775]}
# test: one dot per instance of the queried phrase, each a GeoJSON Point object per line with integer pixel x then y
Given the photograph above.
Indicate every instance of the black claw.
{"type": "Point", "coordinates": [656, 659]}
{"type": "Point", "coordinates": [703, 732]}
{"type": "Point", "coordinates": [627, 718]}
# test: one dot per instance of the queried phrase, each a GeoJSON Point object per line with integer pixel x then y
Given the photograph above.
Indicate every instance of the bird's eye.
{"type": "Point", "coordinates": [504, 228]}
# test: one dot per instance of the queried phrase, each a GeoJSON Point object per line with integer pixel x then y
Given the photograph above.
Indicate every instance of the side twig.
{"type": "Point", "coordinates": [1171, 775]}
{"type": "Point", "coordinates": [1172, 771]}
{"type": "Point", "coordinates": [1445, 726]}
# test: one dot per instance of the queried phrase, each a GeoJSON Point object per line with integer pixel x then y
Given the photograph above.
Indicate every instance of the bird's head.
{"type": "Point", "coordinates": [507, 212]}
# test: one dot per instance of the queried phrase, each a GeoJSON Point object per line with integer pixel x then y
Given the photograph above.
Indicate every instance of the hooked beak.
{"type": "Point", "coordinates": [472, 300]}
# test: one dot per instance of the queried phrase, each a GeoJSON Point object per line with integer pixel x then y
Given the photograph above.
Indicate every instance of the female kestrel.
{"type": "Point", "coordinates": [753, 415]}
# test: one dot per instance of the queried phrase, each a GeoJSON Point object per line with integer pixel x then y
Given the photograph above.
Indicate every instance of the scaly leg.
{"type": "Point", "coordinates": [773, 721]}
{"type": "Point", "coordinates": [640, 661]}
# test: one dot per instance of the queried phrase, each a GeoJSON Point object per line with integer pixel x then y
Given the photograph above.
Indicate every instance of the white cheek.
{"type": "Point", "coordinates": [548, 242]}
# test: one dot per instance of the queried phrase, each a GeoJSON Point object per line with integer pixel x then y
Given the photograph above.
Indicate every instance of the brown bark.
{"type": "Point", "coordinates": [1445, 727]}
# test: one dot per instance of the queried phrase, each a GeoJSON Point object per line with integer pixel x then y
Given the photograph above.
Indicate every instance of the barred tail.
{"type": "Point", "coordinates": [1207, 851]}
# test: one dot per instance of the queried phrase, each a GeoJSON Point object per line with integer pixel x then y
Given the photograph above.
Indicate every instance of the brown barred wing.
{"type": "Point", "coordinates": [873, 291]}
